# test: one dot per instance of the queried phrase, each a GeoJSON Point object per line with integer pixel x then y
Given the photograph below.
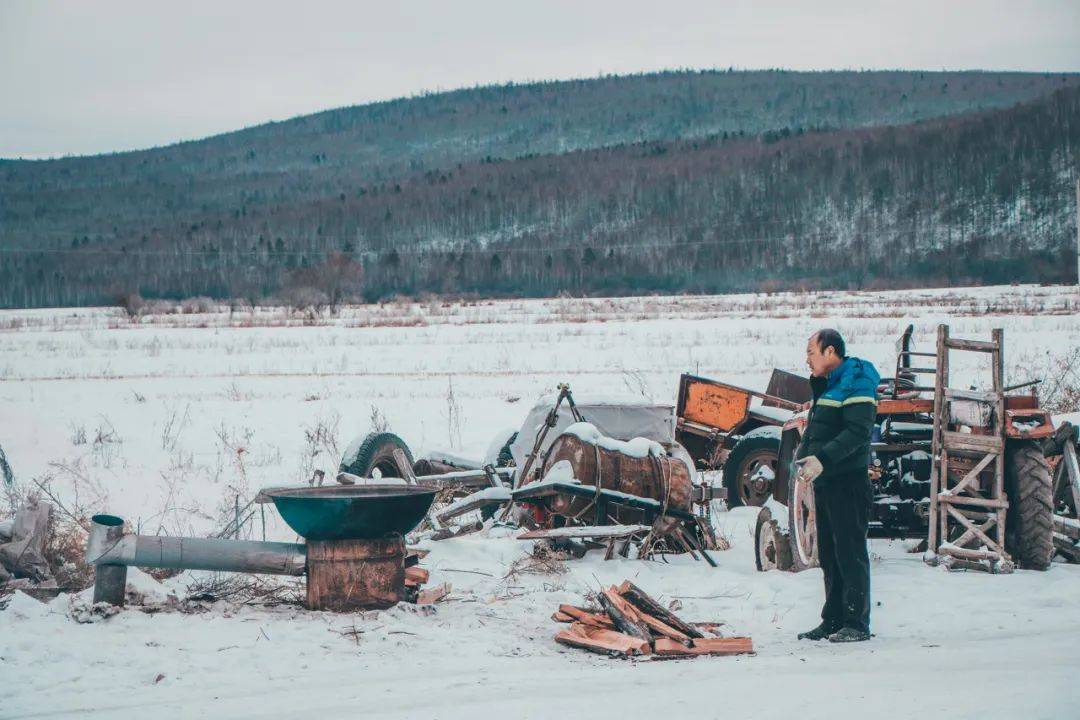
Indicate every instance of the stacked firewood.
{"type": "Point", "coordinates": [415, 579]}
{"type": "Point", "coordinates": [630, 622]}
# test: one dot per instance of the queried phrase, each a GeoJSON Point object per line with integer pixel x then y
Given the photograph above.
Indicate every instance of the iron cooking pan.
{"type": "Point", "coordinates": [353, 512]}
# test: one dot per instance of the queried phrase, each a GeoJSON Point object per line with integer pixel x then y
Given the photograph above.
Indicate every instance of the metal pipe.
{"type": "Point", "coordinates": [110, 581]}
{"type": "Point", "coordinates": [108, 548]}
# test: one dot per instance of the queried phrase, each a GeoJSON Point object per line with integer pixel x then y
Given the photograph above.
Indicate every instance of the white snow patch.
{"type": "Point", "coordinates": [636, 447]}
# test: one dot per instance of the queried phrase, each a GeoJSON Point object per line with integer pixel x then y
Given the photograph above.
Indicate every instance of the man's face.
{"type": "Point", "coordinates": [820, 363]}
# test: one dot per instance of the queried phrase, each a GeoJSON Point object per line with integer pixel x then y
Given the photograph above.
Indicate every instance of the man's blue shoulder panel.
{"type": "Point", "coordinates": [853, 381]}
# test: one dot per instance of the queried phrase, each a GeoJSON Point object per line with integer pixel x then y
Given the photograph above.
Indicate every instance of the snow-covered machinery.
{"type": "Point", "coordinates": [621, 473]}
{"type": "Point", "coordinates": [963, 470]}
{"type": "Point", "coordinates": [735, 429]}
{"type": "Point", "coordinates": [638, 468]}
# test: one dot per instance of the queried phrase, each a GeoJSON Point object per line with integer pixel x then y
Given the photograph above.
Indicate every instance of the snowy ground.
{"type": "Point", "coordinates": [167, 420]}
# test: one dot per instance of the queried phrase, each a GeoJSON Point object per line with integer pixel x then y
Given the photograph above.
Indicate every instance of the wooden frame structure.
{"type": "Point", "coordinates": [962, 498]}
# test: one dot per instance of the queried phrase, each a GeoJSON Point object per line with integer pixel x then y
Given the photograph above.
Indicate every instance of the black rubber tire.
{"type": "Point", "coordinates": [1029, 523]}
{"type": "Point", "coordinates": [744, 451]}
{"type": "Point", "coordinates": [376, 452]}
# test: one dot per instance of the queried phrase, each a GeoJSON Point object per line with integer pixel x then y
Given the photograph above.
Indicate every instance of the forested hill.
{"type": "Point", "coordinates": [676, 181]}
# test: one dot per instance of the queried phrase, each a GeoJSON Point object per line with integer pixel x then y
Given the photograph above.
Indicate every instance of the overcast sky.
{"type": "Point", "coordinates": [88, 77]}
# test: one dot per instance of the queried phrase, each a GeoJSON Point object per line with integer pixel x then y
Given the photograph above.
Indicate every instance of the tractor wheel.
{"type": "Point", "coordinates": [772, 545]}
{"type": "Point", "coordinates": [750, 468]}
{"type": "Point", "coordinates": [802, 524]}
{"type": "Point", "coordinates": [373, 456]}
{"type": "Point", "coordinates": [1029, 525]}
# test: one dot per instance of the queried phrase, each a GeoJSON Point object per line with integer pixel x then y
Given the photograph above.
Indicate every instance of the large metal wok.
{"type": "Point", "coordinates": [347, 512]}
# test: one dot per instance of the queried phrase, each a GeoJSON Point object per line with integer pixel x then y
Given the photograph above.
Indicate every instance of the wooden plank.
{"type": "Point", "coordinates": [966, 442]}
{"type": "Point", "coordinates": [947, 497]}
{"type": "Point", "coordinates": [972, 529]}
{"type": "Point", "coordinates": [1066, 548]}
{"type": "Point", "coordinates": [605, 642]}
{"type": "Point", "coordinates": [588, 618]}
{"type": "Point", "coordinates": [905, 406]}
{"type": "Point", "coordinates": [1067, 526]}
{"type": "Point", "coordinates": [967, 553]}
{"type": "Point", "coordinates": [705, 646]}
{"type": "Point", "coordinates": [973, 474]}
{"type": "Point", "coordinates": [646, 603]}
{"type": "Point", "coordinates": [660, 629]}
{"type": "Point", "coordinates": [725, 646]}
{"type": "Point", "coordinates": [561, 617]}
{"type": "Point", "coordinates": [468, 504]}
{"type": "Point", "coordinates": [1072, 468]}
{"type": "Point", "coordinates": [585, 531]}
{"type": "Point", "coordinates": [998, 372]}
{"type": "Point", "coordinates": [938, 481]}
{"type": "Point", "coordinates": [971, 345]}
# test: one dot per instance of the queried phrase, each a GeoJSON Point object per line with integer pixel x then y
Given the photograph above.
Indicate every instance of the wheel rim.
{"type": "Point", "coordinates": [805, 525]}
{"type": "Point", "coordinates": [767, 546]}
{"type": "Point", "coordinates": [755, 490]}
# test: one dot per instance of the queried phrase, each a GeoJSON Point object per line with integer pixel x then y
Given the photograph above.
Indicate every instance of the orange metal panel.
{"type": "Point", "coordinates": [716, 405]}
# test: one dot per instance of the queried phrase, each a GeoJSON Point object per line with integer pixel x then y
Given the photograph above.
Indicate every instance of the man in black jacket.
{"type": "Point", "coordinates": [834, 455]}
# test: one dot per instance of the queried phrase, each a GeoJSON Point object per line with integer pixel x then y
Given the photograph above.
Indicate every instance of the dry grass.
{"type": "Point", "coordinates": [544, 560]}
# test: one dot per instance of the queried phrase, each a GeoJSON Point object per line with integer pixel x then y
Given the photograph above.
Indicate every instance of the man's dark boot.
{"type": "Point", "coordinates": [848, 634]}
{"type": "Point", "coordinates": [821, 632]}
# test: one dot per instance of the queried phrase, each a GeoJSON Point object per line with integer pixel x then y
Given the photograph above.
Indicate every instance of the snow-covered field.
{"type": "Point", "coordinates": [167, 420]}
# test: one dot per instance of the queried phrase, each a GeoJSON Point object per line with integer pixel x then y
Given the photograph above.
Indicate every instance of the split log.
{"type": "Point", "coordinates": [588, 618]}
{"type": "Point", "coordinates": [561, 617]}
{"type": "Point", "coordinates": [416, 576]}
{"type": "Point", "coordinates": [657, 627]}
{"type": "Point", "coordinates": [433, 595]}
{"type": "Point", "coordinates": [605, 642]}
{"type": "Point", "coordinates": [643, 601]}
{"type": "Point", "coordinates": [623, 615]}
{"type": "Point", "coordinates": [725, 646]}
{"type": "Point", "coordinates": [705, 646]}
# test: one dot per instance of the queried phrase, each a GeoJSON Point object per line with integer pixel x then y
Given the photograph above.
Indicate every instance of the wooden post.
{"type": "Point", "coordinates": [998, 356]}
{"type": "Point", "coordinates": [940, 380]}
{"type": "Point", "coordinates": [349, 575]}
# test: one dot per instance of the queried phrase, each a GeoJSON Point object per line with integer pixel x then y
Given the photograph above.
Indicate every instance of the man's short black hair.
{"type": "Point", "coordinates": [827, 337]}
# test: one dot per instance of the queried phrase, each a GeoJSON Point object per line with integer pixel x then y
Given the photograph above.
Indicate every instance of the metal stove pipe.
{"type": "Point", "coordinates": [111, 552]}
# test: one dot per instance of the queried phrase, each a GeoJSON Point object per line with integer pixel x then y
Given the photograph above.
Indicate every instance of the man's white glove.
{"type": "Point", "coordinates": [809, 468]}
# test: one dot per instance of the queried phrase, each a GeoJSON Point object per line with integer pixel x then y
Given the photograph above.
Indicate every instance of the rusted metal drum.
{"type": "Point", "coordinates": [645, 474]}
{"type": "Point", "coordinates": [348, 575]}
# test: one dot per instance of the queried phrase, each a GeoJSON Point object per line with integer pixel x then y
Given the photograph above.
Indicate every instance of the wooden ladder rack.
{"type": "Point", "coordinates": [964, 503]}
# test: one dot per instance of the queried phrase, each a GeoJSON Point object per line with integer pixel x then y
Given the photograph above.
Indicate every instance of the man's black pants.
{"type": "Point", "coordinates": [843, 509]}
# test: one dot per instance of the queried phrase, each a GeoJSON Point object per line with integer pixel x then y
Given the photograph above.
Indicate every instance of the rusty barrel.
{"type": "Point", "coordinates": [647, 475]}
{"type": "Point", "coordinates": [347, 575]}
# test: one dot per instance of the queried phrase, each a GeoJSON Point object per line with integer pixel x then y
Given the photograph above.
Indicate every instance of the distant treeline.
{"type": "Point", "coordinates": [980, 197]}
